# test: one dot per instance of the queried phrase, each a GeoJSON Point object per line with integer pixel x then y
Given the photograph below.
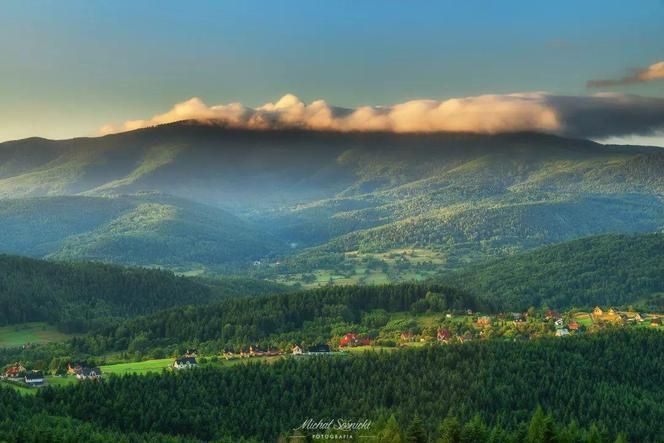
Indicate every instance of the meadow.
{"type": "Point", "coordinates": [30, 333]}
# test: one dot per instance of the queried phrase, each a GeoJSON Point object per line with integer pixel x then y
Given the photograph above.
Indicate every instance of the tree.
{"type": "Point", "coordinates": [450, 430]}
{"type": "Point", "coordinates": [415, 432]}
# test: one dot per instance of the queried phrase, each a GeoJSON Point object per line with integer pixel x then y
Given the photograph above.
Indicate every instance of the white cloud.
{"type": "Point", "coordinates": [652, 72]}
{"type": "Point", "coordinates": [599, 115]}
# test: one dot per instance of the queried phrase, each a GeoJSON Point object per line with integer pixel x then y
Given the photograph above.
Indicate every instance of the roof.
{"type": "Point", "coordinates": [88, 372]}
{"type": "Point", "coordinates": [320, 348]}
{"type": "Point", "coordinates": [34, 375]}
{"type": "Point", "coordinates": [185, 360]}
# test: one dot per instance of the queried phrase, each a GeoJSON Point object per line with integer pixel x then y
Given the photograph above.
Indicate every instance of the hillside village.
{"type": "Point", "coordinates": [404, 331]}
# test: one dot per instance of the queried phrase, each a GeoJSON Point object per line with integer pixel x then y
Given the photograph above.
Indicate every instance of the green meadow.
{"type": "Point", "coordinates": [24, 333]}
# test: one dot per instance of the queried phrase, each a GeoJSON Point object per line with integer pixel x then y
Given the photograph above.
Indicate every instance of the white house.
{"type": "Point", "coordinates": [185, 363]}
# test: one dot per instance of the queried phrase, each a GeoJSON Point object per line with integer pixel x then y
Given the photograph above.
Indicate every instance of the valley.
{"type": "Point", "coordinates": [201, 272]}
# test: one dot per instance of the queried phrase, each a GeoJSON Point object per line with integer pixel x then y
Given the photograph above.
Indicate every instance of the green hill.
{"type": "Point", "coordinates": [77, 296]}
{"type": "Point", "coordinates": [606, 270]}
{"type": "Point", "coordinates": [460, 197]}
{"type": "Point", "coordinates": [145, 229]}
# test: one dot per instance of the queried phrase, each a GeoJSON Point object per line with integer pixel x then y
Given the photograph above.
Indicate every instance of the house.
{"type": "Point", "coordinates": [15, 370]}
{"type": "Point", "coordinates": [319, 349]}
{"type": "Point", "coordinates": [185, 363]}
{"type": "Point", "coordinates": [633, 316]}
{"type": "Point", "coordinates": [559, 323]}
{"type": "Point", "coordinates": [34, 378]}
{"type": "Point", "coordinates": [469, 312]}
{"type": "Point", "coordinates": [407, 336]}
{"type": "Point", "coordinates": [296, 350]}
{"type": "Point", "coordinates": [573, 326]}
{"type": "Point", "coordinates": [516, 316]}
{"type": "Point", "coordinates": [551, 314]}
{"type": "Point", "coordinates": [656, 322]}
{"type": "Point", "coordinates": [466, 337]}
{"type": "Point", "coordinates": [349, 339]}
{"type": "Point", "coordinates": [611, 316]}
{"type": "Point", "coordinates": [562, 332]}
{"type": "Point", "coordinates": [89, 373]}
{"type": "Point", "coordinates": [483, 321]}
{"type": "Point", "coordinates": [443, 335]}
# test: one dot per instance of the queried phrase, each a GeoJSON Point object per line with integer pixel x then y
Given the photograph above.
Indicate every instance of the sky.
{"type": "Point", "coordinates": [69, 68]}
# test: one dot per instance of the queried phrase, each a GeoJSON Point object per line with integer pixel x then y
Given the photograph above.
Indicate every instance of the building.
{"type": "Point", "coordinates": [407, 336]}
{"type": "Point", "coordinates": [483, 321]}
{"type": "Point", "coordinates": [185, 363]}
{"type": "Point", "coordinates": [559, 323]}
{"type": "Point", "coordinates": [296, 350]}
{"type": "Point", "coordinates": [562, 332]}
{"type": "Point", "coordinates": [319, 349]}
{"type": "Point", "coordinates": [34, 378]}
{"type": "Point", "coordinates": [443, 335]}
{"type": "Point", "coordinates": [656, 322]}
{"type": "Point", "coordinates": [88, 373]}
{"type": "Point", "coordinates": [15, 370]}
{"type": "Point", "coordinates": [573, 326]}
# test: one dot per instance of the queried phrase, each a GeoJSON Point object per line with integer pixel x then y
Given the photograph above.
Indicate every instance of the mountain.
{"type": "Point", "coordinates": [610, 270]}
{"type": "Point", "coordinates": [142, 229]}
{"type": "Point", "coordinates": [77, 296]}
{"type": "Point", "coordinates": [330, 197]}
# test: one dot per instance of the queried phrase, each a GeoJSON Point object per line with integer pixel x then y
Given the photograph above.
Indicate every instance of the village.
{"type": "Point", "coordinates": [410, 331]}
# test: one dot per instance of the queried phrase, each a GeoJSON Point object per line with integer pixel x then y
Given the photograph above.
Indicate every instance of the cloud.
{"type": "Point", "coordinates": [599, 115]}
{"type": "Point", "coordinates": [652, 72]}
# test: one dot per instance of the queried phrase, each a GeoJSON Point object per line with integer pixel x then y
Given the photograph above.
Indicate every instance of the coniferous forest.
{"type": "Point", "coordinates": [599, 388]}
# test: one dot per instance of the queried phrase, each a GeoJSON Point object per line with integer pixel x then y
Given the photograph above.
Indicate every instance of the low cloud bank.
{"type": "Point", "coordinates": [599, 115]}
{"type": "Point", "coordinates": [652, 72]}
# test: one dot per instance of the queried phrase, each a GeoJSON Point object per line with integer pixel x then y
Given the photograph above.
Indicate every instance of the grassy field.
{"type": "Point", "coordinates": [395, 265]}
{"type": "Point", "coordinates": [22, 389]}
{"type": "Point", "coordinates": [18, 335]}
{"type": "Point", "coordinates": [140, 367]}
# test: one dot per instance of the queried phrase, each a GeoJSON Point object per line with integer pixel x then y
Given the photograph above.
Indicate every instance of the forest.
{"type": "Point", "coordinates": [82, 296]}
{"type": "Point", "coordinates": [540, 391]}
{"type": "Point", "coordinates": [603, 270]}
{"type": "Point", "coordinates": [277, 321]}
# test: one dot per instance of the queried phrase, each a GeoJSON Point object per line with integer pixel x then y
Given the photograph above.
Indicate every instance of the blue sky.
{"type": "Point", "coordinates": [68, 67]}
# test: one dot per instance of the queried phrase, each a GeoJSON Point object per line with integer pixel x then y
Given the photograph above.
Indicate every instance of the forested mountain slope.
{"type": "Point", "coordinates": [143, 229]}
{"type": "Point", "coordinates": [611, 270]}
{"type": "Point", "coordinates": [461, 196]}
{"type": "Point", "coordinates": [79, 296]}
{"type": "Point", "coordinates": [503, 382]}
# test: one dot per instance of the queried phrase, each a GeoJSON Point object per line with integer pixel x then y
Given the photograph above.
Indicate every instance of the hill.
{"type": "Point", "coordinates": [79, 296]}
{"type": "Point", "coordinates": [611, 270]}
{"type": "Point", "coordinates": [460, 197]}
{"type": "Point", "coordinates": [143, 229]}
{"type": "Point", "coordinates": [488, 379]}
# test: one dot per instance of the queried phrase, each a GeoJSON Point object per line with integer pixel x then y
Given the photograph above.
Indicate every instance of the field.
{"type": "Point", "coordinates": [140, 367]}
{"type": "Point", "coordinates": [35, 333]}
{"type": "Point", "coordinates": [363, 268]}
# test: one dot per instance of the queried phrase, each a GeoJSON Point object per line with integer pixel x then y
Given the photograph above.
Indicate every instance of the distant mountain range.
{"type": "Point", "coordinates": [192, 196]}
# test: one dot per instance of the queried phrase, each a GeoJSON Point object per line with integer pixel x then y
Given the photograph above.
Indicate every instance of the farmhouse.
{"type": "Point", "coordinates": [407, 336]}
{"type": "Point", "coordinates": [185, 363]}
{"type": "Point", "coordinates": [15, 370]}
{"type": "Point", "coordinates": [320, 349]}
{"type": "Point", "coordinates": [484, 321]}
{"type": "Point", "coordinates": [610, 316]}
{"type": "Point", "coordinates": [443, 335]}
{"type": "Point", "coordinates": [87, 373]}
{"type": "Point", "coordinates": [34, 378]}
{"type": "Point", "coordinates": [573, 326]}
